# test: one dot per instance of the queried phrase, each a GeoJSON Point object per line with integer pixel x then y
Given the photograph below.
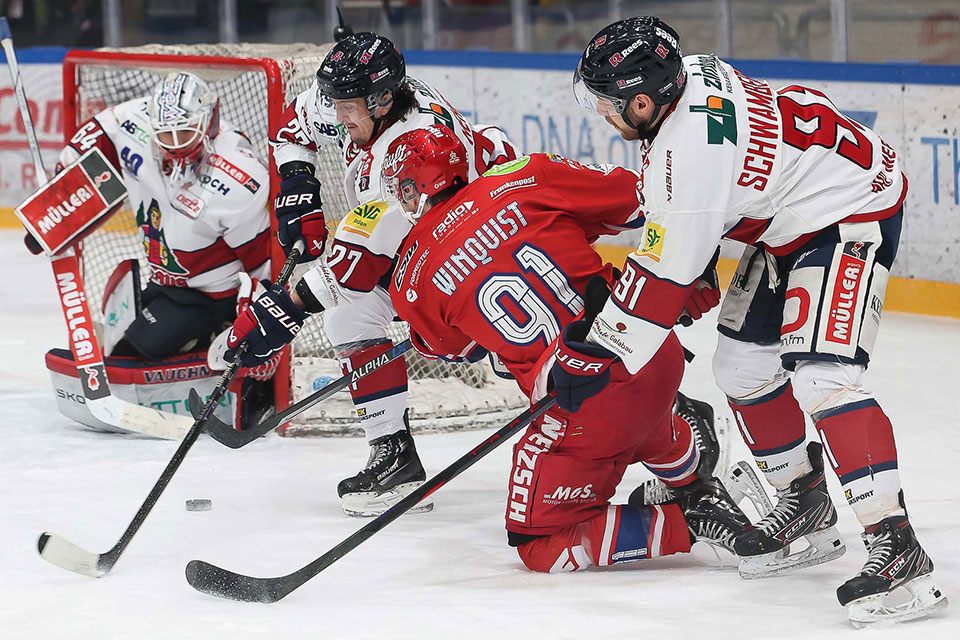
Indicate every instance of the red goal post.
{"type": "Point", "coordinates": [286, 71]}
{"type": "Point", "coordinates": [255, 82]}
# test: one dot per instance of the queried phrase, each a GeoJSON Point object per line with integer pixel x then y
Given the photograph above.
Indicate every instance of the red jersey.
{"type": "Point", "coordinates": [503, 263]}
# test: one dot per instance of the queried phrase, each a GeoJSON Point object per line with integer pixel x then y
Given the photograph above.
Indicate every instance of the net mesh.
{"type": "Point", "coordinates": [244, 90]}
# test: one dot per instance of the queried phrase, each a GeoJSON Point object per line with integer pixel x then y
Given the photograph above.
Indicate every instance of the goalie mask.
{"type": "Point", "coordinates": [420, 164]}
{"type": "Point", "coordinates": [184, 116]}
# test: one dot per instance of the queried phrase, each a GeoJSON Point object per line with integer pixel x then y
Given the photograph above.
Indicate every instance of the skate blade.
{"type": "Point", "coordinates": [824, 546]}
{"type": "Point", "coordinates": [926, 600]}
{"type": "Point", "coordinates": [742, 484]}
{"type": "Point", "coordinates": [370, 504]}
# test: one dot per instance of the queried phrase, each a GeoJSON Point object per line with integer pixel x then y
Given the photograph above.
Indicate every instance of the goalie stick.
{"type": "Point", "coordinates": [65, 554]}
{"type": "Point", "coordinates": [215, 581]}
{"type": "Point", "coordinates": [236, 438]}
{"type": "Point", "coordinates": [99, 400]}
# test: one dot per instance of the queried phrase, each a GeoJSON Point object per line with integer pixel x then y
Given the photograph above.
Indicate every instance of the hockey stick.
{"type": "Point", "coordinates": [101, 403]}
{"type": "Point", "coordinates": [235, 438]}
{"type": "Point", "coordinates": [213, 580]}
{"type": "Point", "coordinates": [65, 554]}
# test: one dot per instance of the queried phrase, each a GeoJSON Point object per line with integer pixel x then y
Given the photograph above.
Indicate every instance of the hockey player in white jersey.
{"type": "Point", "coordinates": [362, 100]}
{"type": "Point", "coordinates": [817, 198]}
{"type": "Point", "coordinates": [199, 193]}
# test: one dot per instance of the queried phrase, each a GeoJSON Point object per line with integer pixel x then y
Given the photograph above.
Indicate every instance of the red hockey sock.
{"type": "Point", "coordinates": [773, 427]}
{"type": "Point", "coordinates": [679, 465]}
{"type": "Point", "coordinates": [388, 380]}
{"type": "Point", "coordinates": [620, 534]}
{"type": "Point", "coordinates": [859, 444]}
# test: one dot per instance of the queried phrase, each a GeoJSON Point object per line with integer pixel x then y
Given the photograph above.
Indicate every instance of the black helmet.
{"type": "Point", "coordinates": [629, 57]}
{"type": "Point", "coordinates": [361, 65]}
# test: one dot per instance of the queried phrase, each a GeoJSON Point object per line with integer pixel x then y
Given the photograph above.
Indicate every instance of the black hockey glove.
{"type": "Point", "coordinates": [582, 369]}
{"type": "Point", "coordinates": [299, 213]}
{"type": "Point", "coordinates": [268, 324]}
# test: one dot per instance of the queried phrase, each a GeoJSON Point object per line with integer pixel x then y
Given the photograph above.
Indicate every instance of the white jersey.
{"type": "Point", "coordinates": [366, 241]}
{"type": "Point", "coordinates": [736, 159]}
{"type": "Point", "coordinates": [199, 234]}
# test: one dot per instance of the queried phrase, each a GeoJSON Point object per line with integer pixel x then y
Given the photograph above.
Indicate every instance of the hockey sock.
{"type": "Point", "coordinates": [679, 465]}
{"type": "Point", "coordinates": [380, 397]}
{"type": "Point", "coordinates": [773, 426]}
{"type": "Point", "coordinates": [858, 441]}
{"type": "Point", "coordinates": [619, 534]}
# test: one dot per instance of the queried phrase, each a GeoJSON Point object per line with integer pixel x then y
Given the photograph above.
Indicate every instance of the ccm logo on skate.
{"type": "Point", "coordinates": [844, 304]}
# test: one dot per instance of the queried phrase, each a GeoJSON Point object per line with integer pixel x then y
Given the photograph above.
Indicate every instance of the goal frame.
{"type": "Point", "coordinates": [276, 103]}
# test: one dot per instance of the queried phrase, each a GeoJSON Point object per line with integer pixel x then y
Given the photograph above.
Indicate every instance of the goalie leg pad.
{"type": "Point", "coordinates": [618, 534]}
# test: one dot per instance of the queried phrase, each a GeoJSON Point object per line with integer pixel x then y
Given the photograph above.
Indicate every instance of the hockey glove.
{"type": "Point", "coordinates": [268, 324]}
{"type": "Point", "coordinates": [300, 215]}
{"type": "Point", "coordinates": [705, 295]}
{"type": "Point", "coordinates": [582, 369]}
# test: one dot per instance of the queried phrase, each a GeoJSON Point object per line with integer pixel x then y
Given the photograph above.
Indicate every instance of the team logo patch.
{"type": "Point", "coordinates": [652, 246]}
{"type": "Point", "coordinates": [721, 119]}
{"type": "Point", "coordinates": [599, 41]}
{"type": "Point", "coordinates": [164, 266]}
{"type": "Point", "coordinates": [364, 218]}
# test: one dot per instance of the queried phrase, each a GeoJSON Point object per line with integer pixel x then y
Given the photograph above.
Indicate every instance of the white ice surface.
{"type": "Point", "coordinates": [446, 574]}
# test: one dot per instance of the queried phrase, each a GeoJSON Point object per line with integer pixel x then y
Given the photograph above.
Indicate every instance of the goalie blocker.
{"type": "Point", "coordinates": [72, 205]}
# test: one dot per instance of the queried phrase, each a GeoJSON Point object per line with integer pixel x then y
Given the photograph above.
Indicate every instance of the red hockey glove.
{"type": "Point", "coordinates": [268, 324]}
{"type": "Point", "coordinates": [299, 213]}
{"type": "Point", "coordinates": [582, 369]}
{"type": "Point", "coordinates": [705, 295]}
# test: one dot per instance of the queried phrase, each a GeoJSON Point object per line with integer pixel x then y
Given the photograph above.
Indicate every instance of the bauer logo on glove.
{"type": "Point", "coordinates": [268, 324]}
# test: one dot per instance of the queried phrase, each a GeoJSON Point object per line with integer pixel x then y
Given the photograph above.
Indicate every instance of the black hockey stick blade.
{"type": "Point", "coordinates": [213, 580]}
{"type": "Point", "coordinates": [226, 435]}
{"type": "Point", "coordinates": [66, 555]}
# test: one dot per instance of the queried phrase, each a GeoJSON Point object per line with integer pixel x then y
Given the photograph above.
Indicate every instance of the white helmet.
{"type": "Point", "coordinates": [184, 116]}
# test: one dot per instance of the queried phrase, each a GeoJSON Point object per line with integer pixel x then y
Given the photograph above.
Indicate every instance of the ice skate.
{"type": "Point", "coordinates": [712, 515]}
{"type": "Point", "coordinates": [895, 560]}
{"type": "Point", "coordinates": [393, 471]}
{"type": "Point", "coordinates": [700, 416]}
{"type": "Point", "coordinates": [803, 510]}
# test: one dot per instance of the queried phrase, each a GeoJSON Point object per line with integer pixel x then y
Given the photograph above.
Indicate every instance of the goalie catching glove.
{"type": "Point", "coordinates": [300, 212]}
{"type": "Point", "coordinates": [582, 369]}
{"type": "Point", "coordinates": [267, 324]}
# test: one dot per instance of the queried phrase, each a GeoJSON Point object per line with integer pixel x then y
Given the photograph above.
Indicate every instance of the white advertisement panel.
{"type": "Point", "coordinates": [537, 109]}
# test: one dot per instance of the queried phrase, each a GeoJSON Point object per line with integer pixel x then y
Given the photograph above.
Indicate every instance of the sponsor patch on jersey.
{"type": "Point", "coordinates": [234, 172]}
{"type": "Point", "coordinates": [652, 246]}
{"type": "Point", "coordinates": [364, 218]}
{"type": "Point", "coordinates": [508, 167]}
{"type": "Point", "coordinates": [721, 119]}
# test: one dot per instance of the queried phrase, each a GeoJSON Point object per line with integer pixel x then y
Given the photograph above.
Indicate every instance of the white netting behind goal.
{"type": "Point", "coordinates": [254, 83]}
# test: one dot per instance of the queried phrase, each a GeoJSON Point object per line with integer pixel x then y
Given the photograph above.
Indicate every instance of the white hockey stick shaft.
{"type": "Point", "coordinates": [102, 404]}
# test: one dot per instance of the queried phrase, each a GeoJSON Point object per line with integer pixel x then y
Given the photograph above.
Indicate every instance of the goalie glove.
{"type": "Point", "coordinates": [582, 369]}
{"type": "Point", "coordinates": [705, 295]}
{"type": "Point", "coordinates": [299, 212]}
{"type": "Point", "coordinates": [267, 324]}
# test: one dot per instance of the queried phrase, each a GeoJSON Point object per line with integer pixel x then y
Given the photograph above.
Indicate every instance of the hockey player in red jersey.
{"type": "Point", "coordinates": [362, 100]}
{"type": "Point", "coordinates": [504, 264]}
{"type": "Point", "coordinates": [817, 198]}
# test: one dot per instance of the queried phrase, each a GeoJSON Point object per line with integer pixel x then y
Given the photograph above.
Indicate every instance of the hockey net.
{"type": "Point", "coordinates": [254, 83]}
